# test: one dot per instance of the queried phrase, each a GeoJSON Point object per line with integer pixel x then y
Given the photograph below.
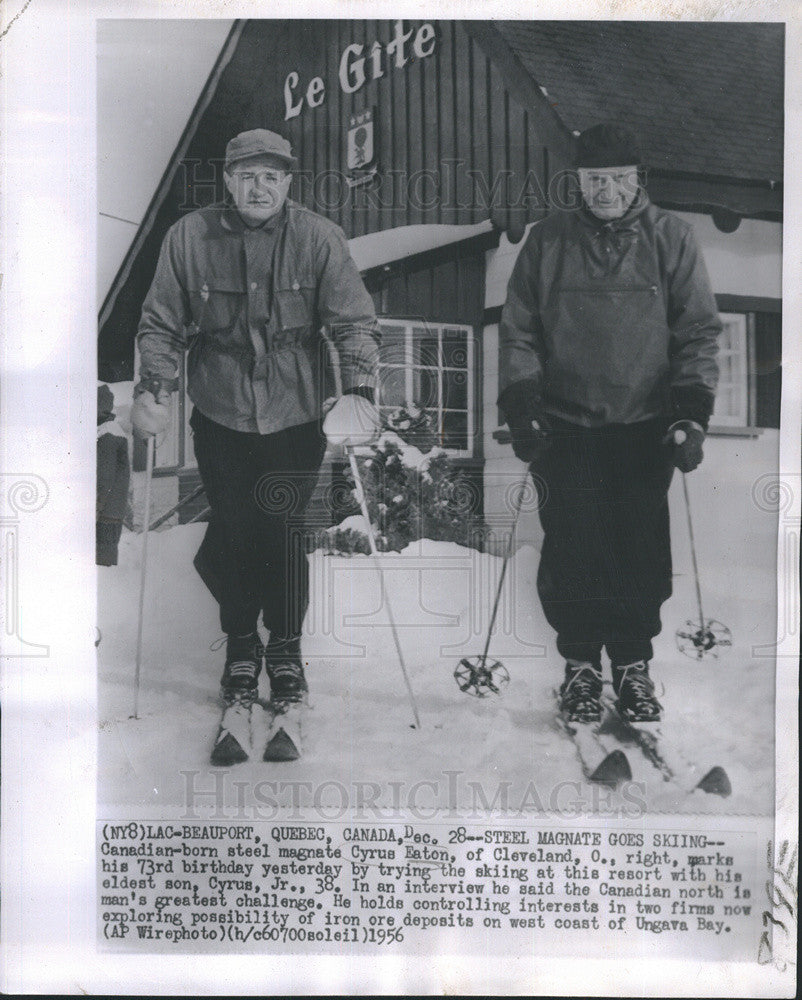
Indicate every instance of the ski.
{"type": "Point", "coordinates": [284, 737]}
{"type": "Point", "coordinates": [602, 763]}
{"type": "Point", "coordinates": [233, 742]}
{"type": "Point", "coordinates": [668, 758]}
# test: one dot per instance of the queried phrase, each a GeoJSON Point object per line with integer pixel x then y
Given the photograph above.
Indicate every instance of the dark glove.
{"type": "Point", "coordinates": [685, 437]}
{"type": "Point", "coordinates": [529, 428]}
{"type": "Point", "coordinates": [529, 441]}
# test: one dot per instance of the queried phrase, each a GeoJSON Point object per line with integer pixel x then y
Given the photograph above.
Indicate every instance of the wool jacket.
{"type": "Point", "coordinates": [609, 323]}
{"type": "Point", "coordinates": [248, 306]}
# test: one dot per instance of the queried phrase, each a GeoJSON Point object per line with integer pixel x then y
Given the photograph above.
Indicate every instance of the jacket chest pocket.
{"type": "Point", "coordinates": [610, 329]}
{"type": "Point", "coordinates": [292, 314]}
{"type": "Point", "coordinates": [216, 306]}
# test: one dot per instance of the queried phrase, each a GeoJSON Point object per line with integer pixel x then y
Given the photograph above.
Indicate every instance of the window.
{"type": "Point", "coordinates": [430, 365]}
{"type": "Point", "coordinates": [732, 397]}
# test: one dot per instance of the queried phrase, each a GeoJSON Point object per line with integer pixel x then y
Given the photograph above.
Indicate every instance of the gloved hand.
{"type": "Point", "coordinates": [530, 439]}
{"type": "Point", "coordinates": [150, 412]}
{"type": "Point", "coordinates": [529, 428]}
{"type": "Point", "coordinates": [685, 437]}
{"type": "Point", "coordinates": [353, 420]}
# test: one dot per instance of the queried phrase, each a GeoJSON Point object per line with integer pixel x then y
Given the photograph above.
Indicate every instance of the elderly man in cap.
{"type": "Point", "coordinates": [246, 287]}
{"type": "Point", "coordinates": [608, 350]}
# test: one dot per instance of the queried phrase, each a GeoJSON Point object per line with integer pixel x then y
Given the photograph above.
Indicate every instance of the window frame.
{"type": "Point", "coordinates": [409, 366]}
{"type": "Point", "coordinates": [744, 419]}
{"type": "Point", "coordinates": [752, 307]}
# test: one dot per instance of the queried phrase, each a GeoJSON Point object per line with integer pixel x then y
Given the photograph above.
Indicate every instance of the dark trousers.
{"type": "Point", "coordinates": [605, 568]}
{"type": "Point", "coordinates": [253, 557]}
{"type": "Point", "coordinates": [107, 540]}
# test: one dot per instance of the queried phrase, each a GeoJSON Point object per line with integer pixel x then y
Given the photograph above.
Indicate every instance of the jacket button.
{"type": "Point", "coordinates": [254, 286]}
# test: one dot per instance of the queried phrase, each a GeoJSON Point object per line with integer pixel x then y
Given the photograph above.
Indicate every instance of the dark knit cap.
{"type": "Point", "coordinates": [607, 145]}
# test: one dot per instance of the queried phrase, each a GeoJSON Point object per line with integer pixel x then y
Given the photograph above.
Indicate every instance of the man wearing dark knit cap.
{"type": "Point", "coordinates": [608, 343]}
{"type": "Point", "coordinates": [246, 287]}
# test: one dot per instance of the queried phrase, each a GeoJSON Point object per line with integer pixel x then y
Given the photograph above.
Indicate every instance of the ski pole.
{"type": "Point", "coordinates": [474, 676]}
{"type": "Point", "coordinates": [710, 634]}
{"type": "Point", "coordinates": [200, 515]}
{"type": "Point", "coordinates": [338, 388]}
{"type": "Point", "coordinates": [384, 594]}
{"type": "Point", "coordinates": [162, 519]}
{"type": "Point", "coordinates": [510, 542]}
{"type": "Point", "coordinates": [146, 532]}
{"type": "Point", "coordinates": [693, 552]}
{"type": "Point", "coordinates": [679, 438]}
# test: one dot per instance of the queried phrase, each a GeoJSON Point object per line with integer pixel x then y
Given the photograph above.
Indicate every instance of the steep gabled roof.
{"type": "Point", "coordinates": [704, 97]}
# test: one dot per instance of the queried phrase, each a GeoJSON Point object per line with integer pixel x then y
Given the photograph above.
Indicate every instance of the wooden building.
{"type": "Point", "coordinates": [435, 144]}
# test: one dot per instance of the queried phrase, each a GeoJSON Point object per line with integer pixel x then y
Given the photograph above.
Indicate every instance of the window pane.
{"type": "Point", "coordinates": [731, 397]}
{"type": "Point", "coordinates": [455, 349]}
{"type": "Point", "coordinates": [393, 348]}
{"type": "Point", "coordinates": [724, 401]}
{"type": "Point", "coordinates": [424, 387]}
{"type": "Point", "coordinates": [392, 386]}
{"type": "Point", "coordinates": [727, 363]}
{"type": "Point", "coordinates": [455, 390]}
{"type": "Point", "coordinates": [425, 349]}
{"type": "Point", "coordinates": [455, 430]}
{"type": "Point", "coordinates": [393, 335]}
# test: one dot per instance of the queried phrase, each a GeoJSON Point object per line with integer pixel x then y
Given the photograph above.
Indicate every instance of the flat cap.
{"type": "Point", "coordinates": [259, 142]}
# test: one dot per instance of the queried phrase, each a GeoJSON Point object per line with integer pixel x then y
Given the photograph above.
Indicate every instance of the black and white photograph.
{"type": "Point", "coordinates": [443, 596]}
{"type": "Point", "coordinates": [485, 278]}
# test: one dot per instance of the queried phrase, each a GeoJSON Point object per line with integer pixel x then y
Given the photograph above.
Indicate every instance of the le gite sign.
{"type": "Point", "coordinates": [361, 63]}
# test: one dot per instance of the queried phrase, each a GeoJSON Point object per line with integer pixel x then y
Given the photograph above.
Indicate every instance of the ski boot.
{"type": "Point", "coordinates": [240, 682]}
{"type": "Point", "coordinates": [239, 686]}
{"type": "Point", "coordinates": [284, 668]}
{"type": "Point", "coordinates": [635, 690]}
{"type": "Point", "coordinates": [288, 690]}
{"type": "Point", "coordinates": [287, 681]}
{"type": "Point", "coordinates": [580, 692]}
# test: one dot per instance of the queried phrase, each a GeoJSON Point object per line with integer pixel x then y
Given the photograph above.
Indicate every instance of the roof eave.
{"type": "Point", "coordinates": [745, 197]}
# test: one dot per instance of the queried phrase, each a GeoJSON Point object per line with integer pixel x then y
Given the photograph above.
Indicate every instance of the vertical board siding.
{"type": "Point", "coordinates": [461, 130]}
{"type": "Point", "coordinates": [414, 135]}
{"type": "Point", "coordinates": [478, 82]}
{"type": "Point", "coordinates": [448, 292]}
{"type": "Point", "coordinates": [449, 115]}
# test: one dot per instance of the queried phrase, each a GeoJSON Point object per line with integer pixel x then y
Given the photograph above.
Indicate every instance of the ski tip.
{"type": "Point", "coordinates": [281, 748]}
{"type": "Point", "coordinates": [613, 770]}
{"type": "Point", "coordinates": [716, 782]}
{"type": "Point", "coordinates": [228, 751]}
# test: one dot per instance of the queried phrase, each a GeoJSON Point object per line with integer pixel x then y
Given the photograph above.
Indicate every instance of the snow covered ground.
{"type": "Point", "coordinates": [359, 739]}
